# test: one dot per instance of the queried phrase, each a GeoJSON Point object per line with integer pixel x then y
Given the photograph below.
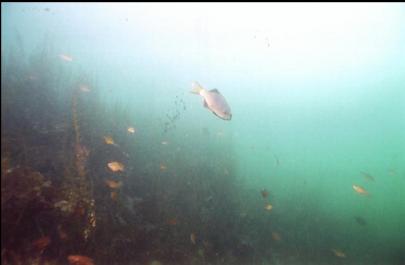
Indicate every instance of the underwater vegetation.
{"type": "Point", "coordinates": [75, 190]}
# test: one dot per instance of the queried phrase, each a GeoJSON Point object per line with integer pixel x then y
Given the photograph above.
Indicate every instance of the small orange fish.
{"type": "Point", "coordinates": [113, 184]}
{"type": "Point", "coordinates": [79, 260]}
{"type": "Point", "coordinates": [172, 221]}
{"type": "Point", "coordinates": [109, 140]}
{"type": "Point", "coordinates": [65, 57]}
{"type": "Point", "coordinates": [268, 207]}
{"type": "Point", "coordinates": [192, 238]}
{"type": "Point", "coordinates": [114, 195]}
{"type": "Point", "coordinates": [264, 193]}
{"type": "Point", "coordinates": [62, 234]}
{"type": "Point", "coordinates": [163, 167]}
{"type": "Point", "coordinates": [338, 253]}
{"type": "Point", "coordinates": [79, 210]}
{"type": "Point", "coordinates": [131, 130]}
{"type": "Point", "coordinates": [275, 236]}
{"type": "Point", "coordinates": [41, 243]}
{"type": "Point", "coordinates": [360, 190]}
{"type": "Point", "coordinates": [116, 166]}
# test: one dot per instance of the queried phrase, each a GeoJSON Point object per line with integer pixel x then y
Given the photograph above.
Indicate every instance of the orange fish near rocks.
{"type": "Point", "coordinates": [41, 243]}
{"type": "Point", "coordinates": [114, 195]}
{"type": "Point", "coordinates": [80, 260]}
{"type": "Point", "coordinates": [109, 140]}
{"type": "Point", "coordinates": [113, 184]}
{"type": "Point", "coordinates": [62, 234]}
{"type": "Point", "coordinates": [116, 166]}
{"type": "Point", "coordinates": [360, 190]}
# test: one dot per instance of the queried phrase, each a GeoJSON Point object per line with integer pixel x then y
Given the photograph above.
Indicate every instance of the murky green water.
{"type": "Point", "coordinates": [317, 98]}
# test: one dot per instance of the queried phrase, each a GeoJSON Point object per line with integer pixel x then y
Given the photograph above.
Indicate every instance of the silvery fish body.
{"type": "Point", "coordinates": [214, 101]}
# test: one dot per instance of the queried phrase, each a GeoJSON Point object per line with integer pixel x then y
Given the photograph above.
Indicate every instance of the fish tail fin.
{"type": "Point", "coordinates": [196, 88]}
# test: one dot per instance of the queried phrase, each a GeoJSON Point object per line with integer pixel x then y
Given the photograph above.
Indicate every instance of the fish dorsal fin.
{"type": "Point", "coordinates": [215, 91]}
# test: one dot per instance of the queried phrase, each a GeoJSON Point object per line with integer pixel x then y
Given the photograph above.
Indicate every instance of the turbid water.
{"type": "Point", "coordinates": [309, 170]}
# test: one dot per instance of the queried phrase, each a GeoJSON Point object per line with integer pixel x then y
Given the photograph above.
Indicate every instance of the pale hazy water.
{"type": "Point", "coordinates": [317, 93]}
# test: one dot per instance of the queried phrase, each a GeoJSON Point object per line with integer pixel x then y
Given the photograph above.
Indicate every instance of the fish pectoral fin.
{"type": "Point", "coordinates": [215, 91]}
{"type": "Point", "coordinates": [218, 115]}
{"type": "Point", "coordinates": [205, 104]}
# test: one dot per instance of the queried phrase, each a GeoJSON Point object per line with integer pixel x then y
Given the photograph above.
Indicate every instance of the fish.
{"type": "Point", "coordinates": [275, 236]}
{"type": "Point", "coordinates": [360, 220]}
{"type": "Point", "coordinates": [109, 140]}
{"type": "Point", "coordinates": [113, 184]}
{"type": "Point", "coordinates": [80, 260]}
{"type": "Point", "coordinates": [268, 207]}
{"type": "Point", "coordinates": [172, 221]}
{"type": "Point", "coordinates": [338, 253]}
{"type": "Point", "coordinates": [163, 167]}
{"type": "Point", "coordinates": [392, 171]}
{"type": "Point", "coordinates": [165, 142]}
{"type": "Point", "coordinates": [360, 190]}
{"type": "Point", "coordinates": [367, 176]}
{"type": "Point", "coordinates": [114, 195]}
{"type": "Point", "coordinates": [192, 238]}
{"type": "Point", "coordinates": [84, 88]}
{"type": "Point", "coordinates": [116, 166]}
{"type": "Point", "coordinates": [41, 243]}
{"type": "Point", "coordinates": [277, 160]}
{"type": "Point", "coordinates": [213, 100]}
{"type": "Point", "coordinates": [65, 57]}
{"type": "Point", "coordinates": [264, 193]}
{"type": "Point", "coordinates": [62, 234]}
{"type": "Point", "coordinates": [131, 130]}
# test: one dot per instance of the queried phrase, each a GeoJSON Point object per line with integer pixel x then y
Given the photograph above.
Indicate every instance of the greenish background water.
{"type": "Point", "coordinates": [317, 93]}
